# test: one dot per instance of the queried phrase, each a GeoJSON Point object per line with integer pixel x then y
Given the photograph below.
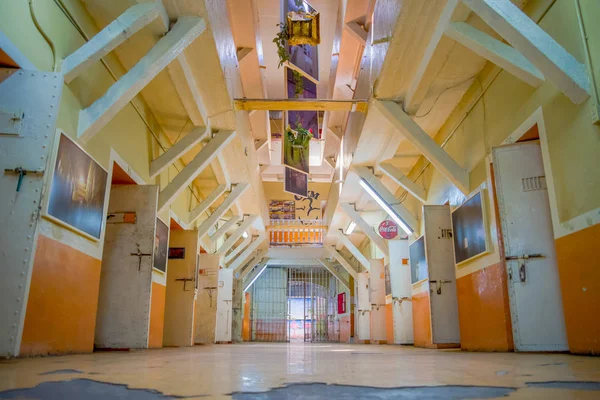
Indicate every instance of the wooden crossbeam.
{"type": "Point", "coordinates": [495, 51]}
{"type": "Point", "coordinates": [206, 203]}
{"type": "Point", "coordinates": [226, 227]}
{"type": "Point", "coordinates": [176, 151]}
{"type": "Point", "coordinates": [251, 266]}
{"type": "Point", "coordinates": [241, 274]}
{"type": "Point", "coordinates": [231, 240]}
{"type": "Point", "coordinates": [345, 241]}
{"type": "Point", "coordinates": [229, 201]}
{"type": "Point", "coordinates": [183, 78]}
{"type": "Point", "coordinates": [425, 144]}
{"type": "Point", "coordinates": [93, 118]}
{"type": "Point", "coordinates": [357, 31]}
{"type": "Point", "coordinates": [228, 257]}
{"type": "Point", "coordinates": [132, 20]}
{"type": "Point", "coordinates": [333, 271]}
{"type": "Point", "coordinates": [300, 105]}
{"type": "Point", "coordinates": [366, 228]}
{"type": "Point", "coordinates": [194, 168]}
{"type": "Point", "coordinates": [342, 260]}
{"type": "Point", "coordinates": [557, 65]}
{"type": "Point", "coordinates": [243, 258]}
{"type": "Point", "coordinates": [404, 181]}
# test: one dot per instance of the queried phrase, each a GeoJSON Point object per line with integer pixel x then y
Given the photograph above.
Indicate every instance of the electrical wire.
{"type": "Point", "coordinates": [45, 36]}
{"type": "Point", "coordinates": [440, 95]}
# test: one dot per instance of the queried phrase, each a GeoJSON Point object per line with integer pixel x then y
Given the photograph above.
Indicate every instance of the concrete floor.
{"type": "Point", "coordinates": [302, 371]}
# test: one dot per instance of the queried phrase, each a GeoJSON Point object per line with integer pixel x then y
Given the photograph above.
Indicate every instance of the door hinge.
{"type": "Point", "coordinates": [439, 285]}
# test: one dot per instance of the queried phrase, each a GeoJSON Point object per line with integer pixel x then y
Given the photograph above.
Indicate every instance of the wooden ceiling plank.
{"type": "Point", "coordinates": [258, 261]}
{"type": "Point", "coordinates": [93, 118]}
{"type": "Point", "coordinates": [357, 32]}
{"type": "Point", "coordinates": [300, 105]}
{"type": "Point", "coordinates": [404, 181]}
{"type": "Point", "coordinates": [366, 228]}
{"type": "Point", "coordinates": [243, 258]}
{"type": "Point", "coordinates": [206, 203]}
{"type": "Point", "coordinates": [345, 241]}
{"type": "Point", "coordinates": [225, 228]}
{"type": "Point", "coordinates": [188, 92]}
{"type": "Point", "coordinates": [231, 240]}
{"type": "Point", "coordinates": [228, 257]}
{"type": "Point", "coordinates": [333, 271]}
{"type": "Point", "coordinates": [237, 191]}
{"type": "Point", "coordinates": [176, 151]}
{"type": "Point", "coordinates": [342, 260]}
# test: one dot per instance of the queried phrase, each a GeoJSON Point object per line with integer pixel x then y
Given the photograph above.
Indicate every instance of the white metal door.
{"type": "Point", "coordinates": [534, 288]}
{"type": "Point", "coordinates": [123, 318]}
{"type": "Point", "coordinates": [401, 292]}
{"type": "Point", "coordinates": [439, 249]}
{"type": "Point", "coordinates": [363, 311]}
{"type": "Point", "coordinates": [224, 306]}
{"type": "Point", "coordinates": [377, 295]}
{"type": "Point", "coordinates": [28, 107]}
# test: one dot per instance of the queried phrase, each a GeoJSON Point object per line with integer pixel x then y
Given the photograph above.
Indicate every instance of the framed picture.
{"type": "Point", "coordinates": [161, 245]}
{"type": "Point", "coordinates": [77, 193]}
{"type": "Point", "coordinates": [469, 223]}
{"type": "Point", "coordinates": [295, 182]}
{"type": "Point", "coordinates": [418, 260]}
{"type": "Point", "coordinates": [176, 253]}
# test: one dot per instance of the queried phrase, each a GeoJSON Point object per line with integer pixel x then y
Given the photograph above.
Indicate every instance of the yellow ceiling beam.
{"type": "Point", "coordinates": [300, 105]}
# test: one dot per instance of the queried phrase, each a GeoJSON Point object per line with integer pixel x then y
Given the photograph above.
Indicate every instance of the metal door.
{"type": "Point", "coordinates": [224, 306]}
{"type": "Point", "coordinates": [534, 287]}
{"type": "Point", "coordinates": [401, 292]}
{"type": "Point", "coordinates": [123, 317]}
{"type": "Point", "coordinates": [439, 249]}
{"type": "Point", "coordinates": [363, 311]}
{"type": "Point", "coordinates": [29, 104]}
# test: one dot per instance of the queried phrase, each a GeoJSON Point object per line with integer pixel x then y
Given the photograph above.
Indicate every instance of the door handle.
{"type": "Point", "coordinates": [522, 273]}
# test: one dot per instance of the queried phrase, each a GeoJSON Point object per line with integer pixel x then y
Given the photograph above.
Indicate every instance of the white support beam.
{"type": "Point", "coordinates": [176, 151]}
{"type": "Point", "coordinates": [366, 228]}
{"type": "Point", "coordinates": [237, 250]}
{"type": "Point", "coordinates": [237, 191]}
{"type": "Point", "coordinates": [187, 89]}
{"type": "Point", "coordinates": [225, 228]}
{"type": "Point", "coordinates": [243, 52]}
{"type": "Point", "coordinates": [495, 51]}
{"type": "Point", "coordinates": [93, 118]}
{"type": "Point", "coordinates": [333, 271]}
{"type": "Point", "coordinates": [15, 54]}
{"type": "Point", "coordinates": [336, 132]}
{"type": "Point", "coordinates": [206, 203]}
{"type": "Point", "coordinates": [404, 181]}
{"type": "Point", "coordinates": [246, 254]}
{"type": "Point", "coordinates": [357, 32]}
{"type": "Point", "coordinates": [251, 266]}
{"type": "Point", "coordinates": [259, 144]}
{"type": "Point", "coordinates": [388, 197]}
{"type": "Point", "coordinates": [194, 168]}
{"type": "Point", "coordinates": [420, 84]}
{"type": "Point", "coordinates": [132, 20]}
{"type": "Point", "coordinates": [254, 276]}
{"type": "Point", "coordinates": [342, 260]}
{"type": "Point", "coordinates": [557, 65]}
{"type": "Point", "coordinates": [231, 240]}
{"type": "Point", "coordinates": [425, 144]}
{"type": "Point", "coordinates": [344, 240]}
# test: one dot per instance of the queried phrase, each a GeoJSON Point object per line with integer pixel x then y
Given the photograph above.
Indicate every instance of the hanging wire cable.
{"type": "Point", "coordinates": [45, 36]}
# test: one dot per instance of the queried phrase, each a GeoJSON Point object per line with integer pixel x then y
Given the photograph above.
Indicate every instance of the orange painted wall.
{"type": "Point", "coordinates": [157, 316]}
{"type": "Point", "coordinates": [484, 310]}
{"type": "Point", "coordinates": [579, 271]}
{"type": "Point", "coordinates": [389, 323]}
{"type": "Point", "coordinates": [246, 334]}
{"type": "Point", "coordinates": [345, 328]}
{"type": "Point", "coordinates": [63, 299]}
{"type": "Point", "coordinates": [422, 320]}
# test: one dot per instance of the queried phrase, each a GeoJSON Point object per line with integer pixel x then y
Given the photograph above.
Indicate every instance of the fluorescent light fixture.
{"type": "Point", "coordinates": [386, 207]}
{"type": "Point", "coordinates": [257, 275]}
{"type": "Point", "coordinates": [245, 235]}
{"type": "Point", "coordinates": [350, 228]}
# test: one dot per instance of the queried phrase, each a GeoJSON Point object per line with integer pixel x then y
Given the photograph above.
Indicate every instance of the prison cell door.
{"type": "Point", "coordinates": [123, 317]}
{"type": "Point", "coordinates": [401, 292]}
{"type": "Point", "coordinates": [363, 310]}
{"type": "Point", "coordinates": [534, 288]}
{"type": "Point", "coordinates": [181, 289]}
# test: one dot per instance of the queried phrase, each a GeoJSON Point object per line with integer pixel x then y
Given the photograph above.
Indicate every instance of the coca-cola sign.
{"type": "Point", "coordinates": [388, 229]}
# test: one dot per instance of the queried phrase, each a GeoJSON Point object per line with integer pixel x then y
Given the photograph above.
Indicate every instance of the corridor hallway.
{"type": "Point", "coordinates": [297, 371]}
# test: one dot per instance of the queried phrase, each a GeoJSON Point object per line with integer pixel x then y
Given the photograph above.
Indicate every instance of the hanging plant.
{"type": "Point", "coordinates": [299, 81]}
{"type": "Point", "coordinates": [281, 41]}
{"type": "Point", "coordinates": [299, 137]}
{"type": "Point", "coordinates": [296, 147]}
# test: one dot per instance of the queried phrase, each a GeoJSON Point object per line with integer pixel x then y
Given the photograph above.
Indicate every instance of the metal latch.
{"type": "Point", "coordinates": [401, 299]}
{"type": "Point", "coordinates": [185, 281]}
{"type": "Point", "coordinates": [11, 122]}
{"type": "Point", "coordinates": [522, 270]}
{"type": "Point", "coordinates": [22, 172]}
{"type": "Point", "coordinates": [439, 285]}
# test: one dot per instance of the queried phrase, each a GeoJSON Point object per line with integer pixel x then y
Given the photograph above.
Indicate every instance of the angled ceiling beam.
{"type": "Point", "coordinates": [251, 264]}
{"type": "Point", "coordinates": [255, 275]}
{"type": "Point", "coordinates": [336, 132]}
{"type": "Point", "coordinates": [15, 54]}
{"type": "Point", "coordinates": [251, 267]}
{"type": "Point", "coordinates": [342, 260]}
{"type": "Point", "coordinates": [495, 51]}
{"type": "Point", "coordinates": [243, 258]}
{"type": "Point", "coordinates": [206, 203]}
{"type": "Point", "coordinates": [231, 240]}
{"type": "Point", "coordinates": [194, 168]}
{"type": "Point", "coordinates": [557, 65]}
{"type": "Point", "coordinates": [187, 89]}
{"type": "Point", "coordinates": [354, 251]}
{"type": "Point", "coordinates": [300, 105]}
{"type": "Point", "coordinates": [333, 271]}
{"type": "Point", "coordinates": [228, 257]}
{"type": "Point", "coordinates": [176, 151]}
{"type": "Point", "coordinates": [243, 52]}
{"type": "Point", "coordinates": [93, 118]}
{"type": "Point", "coordinates": [229, 201]}
{"type": "Point", "coordinates": [357, 32]}
{"type": "Point", "coordinates": [387, 196]}
{"type": "Point", "coordinates": [425, 144]}
{"type": "Point", "coordinates": [422, 81]}
{"type": "Point", "coordinates": [132, 20]}
{"type": "Point", "coordinates": [259, 144]}
{"type": "Point", "coordinates": [226, 227]}
{"type": "Point", "coordinates": [404, 181]}
{"type": "Point", "coordinates": [366, 228]}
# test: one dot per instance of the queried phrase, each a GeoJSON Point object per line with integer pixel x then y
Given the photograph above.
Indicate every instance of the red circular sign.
{"type": "Point", "coordinates": [388, 229]}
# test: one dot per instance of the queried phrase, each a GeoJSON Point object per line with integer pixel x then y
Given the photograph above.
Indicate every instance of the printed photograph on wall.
{"type": "Point", "coordinates": [282, 209]}
{"type": "Point", "coordinates": [470, 229]}
{"type": "Point", "coordinates": [418, 261]}
{"type": "Point", "coordinates": [295, 182]}
{"type": "Point", "coordinates": [161, 245]}
{"type": "Point", "coordinates": [77, 190]}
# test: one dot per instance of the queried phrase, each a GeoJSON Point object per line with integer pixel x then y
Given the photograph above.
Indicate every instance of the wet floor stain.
{"type": "Point", "coordinates": [318, 391]}
{"type": "Point", "coordinates": [62, 371]}
{"type": "Point", "coordinates": [85, 389]}
{"type": "Point", "coordinates": [571, 385]}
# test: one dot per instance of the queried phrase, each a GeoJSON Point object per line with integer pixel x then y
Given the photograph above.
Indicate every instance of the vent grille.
{"type": "Point", "coordinates": [534, 183]}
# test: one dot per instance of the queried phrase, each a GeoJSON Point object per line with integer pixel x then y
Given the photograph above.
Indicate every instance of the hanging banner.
{"type": "Point", "coordinates": [388, 229]}
{"type": "Point", "coordinates": [295, 182]}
